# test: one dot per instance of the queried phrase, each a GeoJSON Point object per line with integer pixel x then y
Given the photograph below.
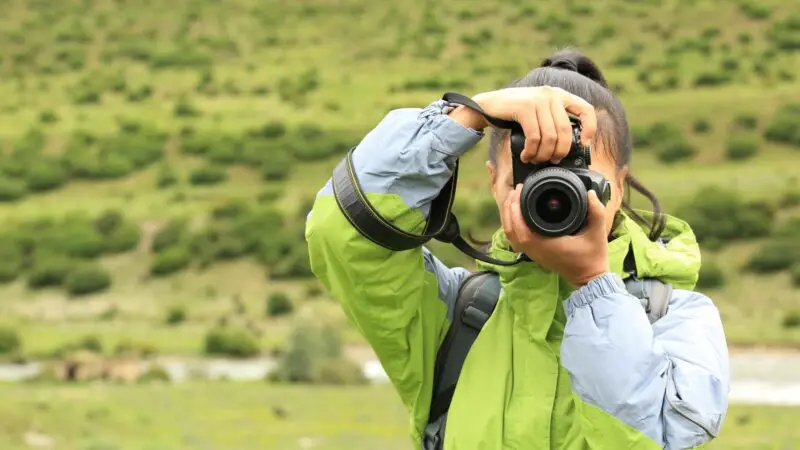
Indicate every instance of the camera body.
{"type": "Point", "coordinates": [554, 198]}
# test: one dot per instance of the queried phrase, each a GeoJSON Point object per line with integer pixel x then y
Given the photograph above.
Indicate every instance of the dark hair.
{"type": "Point", "coordinates": [579, 75]}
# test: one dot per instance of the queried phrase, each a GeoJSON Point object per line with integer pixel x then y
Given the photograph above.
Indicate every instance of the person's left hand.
{"type": "Point", "coordinates": [578, 259]}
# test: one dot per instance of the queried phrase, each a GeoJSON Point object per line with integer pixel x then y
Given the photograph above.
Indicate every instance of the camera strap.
{"type": "Point", "coordinates": [442, 224]}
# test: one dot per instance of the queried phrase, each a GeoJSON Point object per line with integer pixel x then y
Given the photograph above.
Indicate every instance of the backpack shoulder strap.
{"type": "Point", "coordinates": [477, 298]}
{"type": "Point", "coordinates": [654, 295]}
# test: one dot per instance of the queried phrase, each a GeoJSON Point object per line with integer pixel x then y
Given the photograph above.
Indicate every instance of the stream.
{"type": "Point", "coordinates": [759, 376]}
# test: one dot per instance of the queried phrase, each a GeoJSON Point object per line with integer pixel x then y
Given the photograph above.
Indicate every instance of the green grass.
{"type": "Point", "coordinates": [341, 66]}
{"type": "Point", "coordinates": [218, 415]}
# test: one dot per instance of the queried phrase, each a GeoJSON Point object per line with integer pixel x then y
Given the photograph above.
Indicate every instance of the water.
{"type": "Point", "coordinates": [759, 377]}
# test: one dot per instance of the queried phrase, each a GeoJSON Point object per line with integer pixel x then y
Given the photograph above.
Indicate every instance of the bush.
{"type": "Point", "coordinates": [785, 34]}
{"type": "Point", "coordinates": [295, 265]}
{"type": "Point", "coordinates": [10, 260]}
{"type": "Point", "coordinates": [230, 341]}
{"type": "Point", "coordinates": [155, 373]}
{"type": "Point", "coordinates": [123, 239]}
{"type": "Point", "coordinates": [176, 315]}
{"type": "Point", "coordinates": [11, 190]}
{"type": "Point", "coordinates": [270, 130]}
{"type": "Point", "coordinates": [785, 125]}
{"type": "Point", "coordinates": [711, 276]}
{"type": "Point", "coordinates": [44, 176]}
{"type": "Point", "coordinates": [87, 279]}
{"type": "Point", "coordinates": [184, 108]}
{"type": "Point", "coordinates": [279, 304]}
{"type": "Point", "coordinates": [314, 355]}
{"type": "Point", "coordinates": [166, 177]}
{"type": "Point", "coordinates": [276, 167]}
{"type": "Point", "coordinates": [701, 125]}
{"type": "Point", "coordinates": [10, 342]}
{"type": "Point", "coordinates": [791, 319]}
{"type": "Point", "coordinates": [208, 175]}
{"type": "Point", "coordinates": [675, 150]}
{"type": "Point", "coordinates": [169, 235]}
{"type": "Point", "coordinates": [712, 78]}
{"type": "Point", "coordinates": [49, 272]}
{"type": "Point", "coordinates": [795, 274]}
{"type": "Point", "coordinates": [754, 9]}
{"type": "Point", "coordinates": [744, 121]}
{"type": "Point", "coordinates": [139, 93]}
{"type": "Point", "coordinates": [739, 147]}
{"type": "Point", "coordinates": [775, 256]}
{"type": "Point", "coordinates": [171, 260]}
{"type": "Point", "coordinates": [48, 116]}
{"type": "Point", "coordinates": [790, 198]}
{"type": "Point", "coordinates": [721, 214]}
{"type": "Point", "coordinates": [135, 348]}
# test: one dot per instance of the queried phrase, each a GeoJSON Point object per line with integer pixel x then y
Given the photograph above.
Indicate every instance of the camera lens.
{"type": "Point", "coordinates": [554, 202]}
{"type": "Point", "coordinates": [553, 206]}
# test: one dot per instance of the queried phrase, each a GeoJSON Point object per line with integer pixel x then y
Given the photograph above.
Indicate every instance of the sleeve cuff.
{"type": "Point", "coordinates": [451, 138]}
{"type": "Point", "coordinates": [602, 286]}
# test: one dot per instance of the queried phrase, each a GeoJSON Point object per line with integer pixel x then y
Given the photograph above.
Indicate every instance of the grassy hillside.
{"type": "Point", "coordinates": [243, 416]}
{"type": "Point", "coordinates": [157, 165]}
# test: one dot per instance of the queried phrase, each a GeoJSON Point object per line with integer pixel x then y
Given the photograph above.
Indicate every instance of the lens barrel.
{"type": "Point", "coordinates": [554, 202]}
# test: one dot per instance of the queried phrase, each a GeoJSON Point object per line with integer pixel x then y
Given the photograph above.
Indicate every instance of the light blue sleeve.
{"type": "Point", "coordinates": [669, 380]}
{"type": "Point", "coordinates": [411, 153]}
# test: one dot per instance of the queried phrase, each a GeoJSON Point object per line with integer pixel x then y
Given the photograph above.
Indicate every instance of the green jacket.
{"type": "Point", "coordinates": [554, 367]}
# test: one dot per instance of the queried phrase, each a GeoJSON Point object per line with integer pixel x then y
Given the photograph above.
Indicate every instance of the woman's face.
{"type": "Point", "coordinates": [503, 179]}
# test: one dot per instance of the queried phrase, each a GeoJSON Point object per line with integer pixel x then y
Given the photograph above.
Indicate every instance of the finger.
{"type": "Point", "coordinates": [563, 127]}
{"type": "Point", "coordinates": [521, 231]}
{"type": "Point", "coordinates": [548, 140]}
{"type": "Point", "coordinates": [597, 214]}
{"type": "Point", "coordinates": [585, 113]}
{"type": "Point", "coordinates": [505, 216]}
{"type": "Point", "coordinates": [530, 126]}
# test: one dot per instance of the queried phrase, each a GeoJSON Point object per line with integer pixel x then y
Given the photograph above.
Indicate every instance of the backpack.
{"type": "Point", "coordinates": [477, 298]}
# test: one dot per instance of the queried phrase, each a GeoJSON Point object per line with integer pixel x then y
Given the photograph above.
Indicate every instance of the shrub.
{"type": "Point", "coordinates": [279, 304]}
{"type": "Point", "coordinates": [155, 372]}
{"type": "Point", "coordinates": [785, 34]}
{"type": "Point", "coordinates": [791, 319]}
{"type": "Point", "coordinates": [701, 125]}
{"type": "Point", "coordinates": [48, 116]}
{"type": "Point", "coordinates": [790, 198]}
{"type": "Point", "coordinates": [169, 235]}
{"type": "Point", "coordinates": [711, 276]}
{"type": "Point", "coordinates": [295, 265]}
{"type": "Point", "coordinates": [137, 94]}
{"type": "Point", "coordinates": [184, 108]}
{"type": "Point", "coordinates": [272, 248]}
{"type": "Point", "coordinates": [785, 125]}
{"type": "Point", "coordinates": [11, 190]}
{"type": "Point", "coordinates": [123, 239]}
{"type": "Point", "coordinates": [739, 147]}
{"type": "Point", "coordinates": [176, 315]}
{"type": "Point", "coordinates": [795, 274]}
{"type": "Point", "coordinates": [774, 256]}
{"type": "Point", "coordinates": [49, 272]}
{"type": "Point", "coordinates": [276, 167]}
{"type": "Point", "coordinates": [135, 348]}
{"type": "Point", "coordinates": [10, 341]}
{"type": "Point", "coordinates": [713, 78]}
{"type": "Point", "coordinates": [744, 121]}
{"type": "Point", "coordinates": [87, 279]}
{"type": "Point", "coordinates": [230, 341]}
{"type": "Point", "coordinates": [44, 176]}
{"type": "Point", "coordinates": [721, 214]}
{"type": "Point", "coordinates": [754, 9]}
{"type": "Point", "coordinates": [208, 175]}
{"type": "Point", "coordinates": [185, 57]}
{"type": "Point", "coordinates": [338, 372]}
{"type": "Point", "coordinates": [10, 259]}
{"type": "Point", "coordinates": [270, 130]}
{"type": "Point", "coordinates": [314, 355]}
{"type": "Point", "coordinates": [169, 261]}
{"type": "Point", "coordinates": [166, 177]}
{"type": "Point", "coordinates": [675, 150]}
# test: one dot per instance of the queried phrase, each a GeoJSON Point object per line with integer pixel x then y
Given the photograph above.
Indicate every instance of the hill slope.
{"type": "Point", "coordinates": [118, 118]}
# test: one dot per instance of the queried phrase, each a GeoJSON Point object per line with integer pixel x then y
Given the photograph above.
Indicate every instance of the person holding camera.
{"type": "Point", "coordinates": [568, 358]}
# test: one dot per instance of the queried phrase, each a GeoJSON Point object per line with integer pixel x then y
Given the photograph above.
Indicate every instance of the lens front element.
{"type": "Point", "coordinates": [554, 202]}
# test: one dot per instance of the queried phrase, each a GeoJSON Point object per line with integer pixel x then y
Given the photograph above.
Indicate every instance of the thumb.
{"type": "Point", "coordinates": [597, 212]}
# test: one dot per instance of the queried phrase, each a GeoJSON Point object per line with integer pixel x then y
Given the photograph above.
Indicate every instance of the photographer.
{"type": "Point", "coordinates": [569, 358]}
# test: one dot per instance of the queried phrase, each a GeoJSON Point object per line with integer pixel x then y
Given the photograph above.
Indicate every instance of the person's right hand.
{"type": "Point", "coordinates": [542, 113]}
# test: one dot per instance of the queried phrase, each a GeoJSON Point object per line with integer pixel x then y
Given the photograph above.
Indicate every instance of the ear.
{"type": "Point", "coordinates": [622, 173]}
{"type": "Point", "coordinates": [492, 172]}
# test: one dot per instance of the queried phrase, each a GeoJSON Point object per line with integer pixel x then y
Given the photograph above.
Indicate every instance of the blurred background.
{"type": "Point", "coordinates": [158, 160]}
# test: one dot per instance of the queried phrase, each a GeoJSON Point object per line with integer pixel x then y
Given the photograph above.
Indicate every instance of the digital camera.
{"type": "Point", "coordinates": [554, 200]}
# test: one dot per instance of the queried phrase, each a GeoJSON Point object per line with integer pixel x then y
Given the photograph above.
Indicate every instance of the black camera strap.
{"type": "Point", "coordinates": [442, 224]}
